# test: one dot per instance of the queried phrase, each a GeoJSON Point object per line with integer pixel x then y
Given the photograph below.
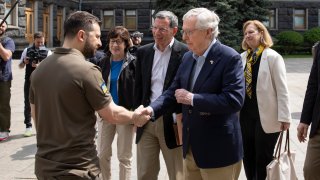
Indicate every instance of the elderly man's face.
{"type": "Point", "coordinates": [162, 32]}
{"type": "Point", "coordinates": [198, 40]}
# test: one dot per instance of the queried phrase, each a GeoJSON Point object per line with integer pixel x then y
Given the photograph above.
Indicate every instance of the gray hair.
{"type": "Point", "coordinates": [168, 14]}
{"type": "Point", "coordinates": [205, 19]}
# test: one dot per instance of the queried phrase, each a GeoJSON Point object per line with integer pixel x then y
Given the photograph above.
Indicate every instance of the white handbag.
{"type": "Point", "coordinates": [282, 166]}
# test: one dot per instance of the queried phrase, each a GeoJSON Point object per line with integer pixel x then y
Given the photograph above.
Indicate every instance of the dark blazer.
{"type": "Point", "coordinates": [211, 126]}
{"type": "Point", "coordinates": [142, 91]}
{"type": "Point", "coordinates": [310, 111]}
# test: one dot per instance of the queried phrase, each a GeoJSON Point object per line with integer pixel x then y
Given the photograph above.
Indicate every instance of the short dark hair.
{"type": "Point", "coordinates": [123, 33]}
{"type": "Point", "coordinates": [38, 35]}
{"type": "Point", "coordinates": [79, 20]}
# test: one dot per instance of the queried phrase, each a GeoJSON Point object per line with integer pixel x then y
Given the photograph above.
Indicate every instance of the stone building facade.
{"type": "Point", "coordinates": [294, 15]}
{"type": "Point", "coordinates": [48, 16]}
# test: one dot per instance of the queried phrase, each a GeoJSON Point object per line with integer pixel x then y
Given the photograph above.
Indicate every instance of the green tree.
{"type": "Point", "coordinates": [227, 11]}
{"type": "Point", "coordinates": [251, 10]}
{"type": "Point", "coordinates": [178, 7]}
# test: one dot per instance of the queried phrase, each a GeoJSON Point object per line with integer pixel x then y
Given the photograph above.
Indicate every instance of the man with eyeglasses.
{"type": "Point", "coordinates": [156, 67]}
{"type": "Point", "coordinates": [210, 86]}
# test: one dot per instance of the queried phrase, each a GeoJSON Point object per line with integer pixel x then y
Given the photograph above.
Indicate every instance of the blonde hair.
{"type": "Point", "coordinates": [266, 39]}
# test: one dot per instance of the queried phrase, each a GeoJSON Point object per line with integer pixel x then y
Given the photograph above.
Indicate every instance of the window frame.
{"type": "Point", "coordinates": [267, 23]}
{"type": "Point", "coordinates": [111, 16]}
{"type": "Point", "coordinates": [133, 17]}
{"type": "Point", "coordinates": [305, 17]}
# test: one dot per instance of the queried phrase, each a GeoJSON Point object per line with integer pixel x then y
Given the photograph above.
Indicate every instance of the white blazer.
{"type": "Point", "coordinates": [272, 91]}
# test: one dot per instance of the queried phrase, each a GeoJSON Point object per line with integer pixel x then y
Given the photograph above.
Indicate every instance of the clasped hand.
{"type": "Point", "coordinates": [183, 96]}
{"type": "Point", "coordinates": [141, 116]}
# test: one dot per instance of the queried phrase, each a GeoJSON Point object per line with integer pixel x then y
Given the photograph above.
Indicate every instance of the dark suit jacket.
{"type": "Point", "coordinates": [142, 91]}
{"type": "Point", "coordinates": [311, 105]}
{"type": "Point", "coordinates": [211, 126]}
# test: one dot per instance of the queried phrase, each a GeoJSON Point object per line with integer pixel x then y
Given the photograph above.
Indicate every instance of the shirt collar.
{"type": "Point", "coordinates": [169, 46]}
{"type": "Point", "coordinates": [207, 51]}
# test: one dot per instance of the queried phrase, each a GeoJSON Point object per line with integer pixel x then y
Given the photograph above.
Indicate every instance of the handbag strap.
{"type": "Point", "coordinates": [278, 149]}
{"type": "Point", "coordinates": [287, 145]}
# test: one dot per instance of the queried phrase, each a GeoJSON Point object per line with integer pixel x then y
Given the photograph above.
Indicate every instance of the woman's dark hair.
{"type": "Point", "coordinates": [118, 31]}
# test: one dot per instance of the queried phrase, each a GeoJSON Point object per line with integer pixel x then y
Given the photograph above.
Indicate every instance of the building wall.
{"type": "Point", "coordinates": [143, 13]}
{"type": "Point", "coordinates": [285, 14]}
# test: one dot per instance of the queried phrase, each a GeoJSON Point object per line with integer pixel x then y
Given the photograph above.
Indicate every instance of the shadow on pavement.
{"type": "Point", "coordinates": [27, 152]}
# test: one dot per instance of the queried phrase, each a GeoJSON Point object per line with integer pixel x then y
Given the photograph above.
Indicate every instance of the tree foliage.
{"type": "Point", "coordinates": [232, 13]}
{"type": "Point", "coordinates": [227, 10]}
{"type": "Point", "coordinates": [178, 7]}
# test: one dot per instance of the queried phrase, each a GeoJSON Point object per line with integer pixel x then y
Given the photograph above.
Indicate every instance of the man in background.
{"type": "Point", "coordinates": [136, 38]}
{"type": "Point", "coordinates": [7, 47]}
{"type": "Point", "coordinates": [30, 58]}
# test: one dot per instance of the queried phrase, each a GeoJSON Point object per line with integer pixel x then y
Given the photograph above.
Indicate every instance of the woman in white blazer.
{"type": "Point", "coordinates": [266, 108]}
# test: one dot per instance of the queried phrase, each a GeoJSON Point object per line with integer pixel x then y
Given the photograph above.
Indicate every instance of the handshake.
{"type": "Point", "coordinates": [141, 116]}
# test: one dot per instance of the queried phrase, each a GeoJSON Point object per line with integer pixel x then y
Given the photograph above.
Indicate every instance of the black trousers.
{"type": "Point", "coordinates": [27, 108]}
{"type": "Point", "coordinates": [258, 147]}
{"type": "Point", "coordinates": [5, 109]}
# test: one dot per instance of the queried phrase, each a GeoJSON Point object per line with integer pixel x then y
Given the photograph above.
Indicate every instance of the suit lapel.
{"type": "Point", "coordinates": [173, 64]}
{"type": "Point", "coordinates": [148, 66]}
{"type": "Point", "coordinates": [210, 63]}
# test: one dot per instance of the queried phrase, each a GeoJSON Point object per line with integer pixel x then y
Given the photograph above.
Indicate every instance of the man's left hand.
{"type": "Point", "coordinates": [183, 96]}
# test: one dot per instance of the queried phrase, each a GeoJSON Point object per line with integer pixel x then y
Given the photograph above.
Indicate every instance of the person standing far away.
{"type": "Point", "coordinates": [136, 38]}
{"type": "Point", "coordinates": [157, 64]}
{"type": "Point", "coordinates": [311, 115]}
{"type": "Point", "coordinates": [118, 70]}
{"type": "Point", "coordinates": [65, 92]}
{"type": "Point", "coordinates": [7, 47]}
{"type": "Point", "coordinates": [210, 86]}
{"type": "Point", "coordinates": [31, 58]}
{"type": "Point", "coordinates": [266, 110]}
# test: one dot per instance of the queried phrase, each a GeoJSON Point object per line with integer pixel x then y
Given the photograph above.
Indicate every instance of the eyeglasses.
{"type": "Point", "coordinates": [161, 29]}
{"type": "Point", "coordinates": [118, 42]}
{"type": "Point", "coordinates": [188, 32]}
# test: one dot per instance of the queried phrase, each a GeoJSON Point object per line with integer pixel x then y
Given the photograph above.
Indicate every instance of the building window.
{"type": "Point", "coordinates": [130, 19]}
{"type": "Point", "coordinates": [12, 18]}
{"type": "Point", "coordinates": [299, 19]}
{"type": "Point", "coordinates": [319, 17]}
{"type": "Point", "coordinates": [108, 19]}
{"type": "Point", "coordinates": [271, 21]}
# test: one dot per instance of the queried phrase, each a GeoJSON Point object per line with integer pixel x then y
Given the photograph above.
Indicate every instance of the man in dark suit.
{"type": "Point", "coordinates": [210, 86]}
{"type": "Point", "coordinates": [157, 64]}
{"type": "Point", "coordinates": [311, 115]}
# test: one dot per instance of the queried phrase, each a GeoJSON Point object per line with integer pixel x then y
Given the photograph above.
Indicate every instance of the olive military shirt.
{"type": "Point", "coordinates": [66, 91]}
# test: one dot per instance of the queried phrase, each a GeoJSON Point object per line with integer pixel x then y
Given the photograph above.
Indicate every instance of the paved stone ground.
{"type": "Point", "coordinates": [17, 154]}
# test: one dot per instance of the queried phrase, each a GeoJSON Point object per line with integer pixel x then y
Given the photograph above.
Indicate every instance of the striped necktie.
{"type": "Point", "coordinates": [251, 60]}
{"type": "Point", "coordinates": [248, 74]}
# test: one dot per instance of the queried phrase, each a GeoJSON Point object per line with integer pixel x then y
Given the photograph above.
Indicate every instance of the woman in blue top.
{"type": "Point", "coordinates": [118, 70]}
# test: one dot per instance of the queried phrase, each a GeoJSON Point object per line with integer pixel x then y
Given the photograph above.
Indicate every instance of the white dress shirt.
{"type": "Point", "coordinates": [159, 70]}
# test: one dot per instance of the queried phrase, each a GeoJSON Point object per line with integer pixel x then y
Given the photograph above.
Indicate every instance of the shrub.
{"type": "Point", "coordinates": [289, 40]}
{"type": "Point", "coordinates": [312, 36]}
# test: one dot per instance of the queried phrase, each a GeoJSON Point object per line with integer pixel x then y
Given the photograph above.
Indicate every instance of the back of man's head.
{"type": "Point", "coordinates": [79, 20]}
